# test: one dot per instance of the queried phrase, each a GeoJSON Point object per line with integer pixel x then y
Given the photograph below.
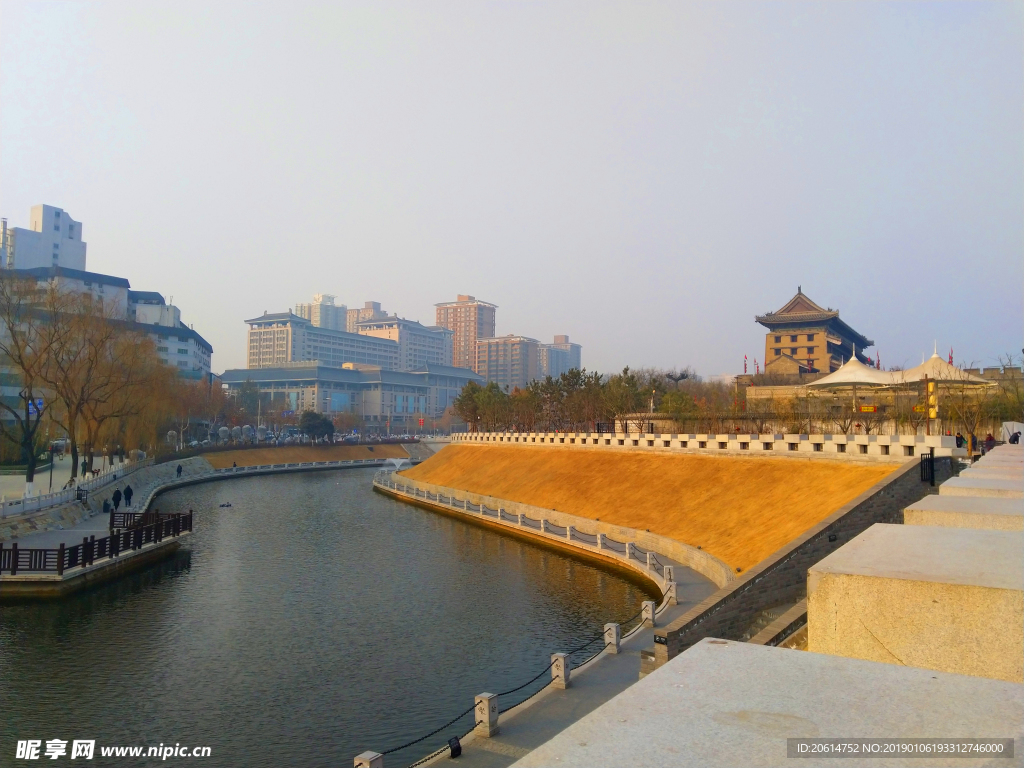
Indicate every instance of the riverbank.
{"type": "Point", "coordinates": [739, 509]}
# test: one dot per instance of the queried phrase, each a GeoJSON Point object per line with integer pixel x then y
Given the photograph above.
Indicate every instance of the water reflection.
{"type": "Point", "coordinates": [311, 620]}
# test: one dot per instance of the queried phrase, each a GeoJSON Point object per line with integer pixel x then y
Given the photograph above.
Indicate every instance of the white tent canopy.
{"type": "Point", "coordinates": [937, 369]}
{"type": "Point", "coordinates": [853, 373]}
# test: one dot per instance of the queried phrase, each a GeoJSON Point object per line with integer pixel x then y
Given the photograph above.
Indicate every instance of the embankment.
{"type": "Point", "coordinates": [739, 510]}
{"type": "Point", "coordinates": [291, 454]}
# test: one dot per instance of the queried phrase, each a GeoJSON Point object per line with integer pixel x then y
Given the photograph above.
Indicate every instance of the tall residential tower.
{"type": "Point", "coordinates": [468, 320]}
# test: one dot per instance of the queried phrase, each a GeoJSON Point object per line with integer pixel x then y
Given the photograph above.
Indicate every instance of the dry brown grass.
{"type": "Point", "coordinates": [738, 509]}
{"type": "Point", "coordinates": [288, 454]}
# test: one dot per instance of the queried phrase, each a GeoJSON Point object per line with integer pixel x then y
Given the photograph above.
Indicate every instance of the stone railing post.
{"type": "Point", "coordinates": [486, 714]}
{"type": "Point", "coordinates": [629, 549]}
{"type": "Point", "coordinates": [612, 637]}
{"type": "Point", "coordinates": [465, 505]}
{"type": "Point", "coordinates": [568, 533]}
{"type": "Point", "coordinates": [670, 573]}
{"type": "Point", "coordinates": [671, 593]}
{"type": "Point", "coordinates": [560, 670]}
{"type": "Point", "coordinates": [600, 541]}
{"type": "Point", "coordinates": [369, 760]}
{"type": "Point", "coordinates": [650, 561]}
{"type": "Point", "coordinates": [521, 516]}
{"type": "Point", "coordinates": [648, 611]}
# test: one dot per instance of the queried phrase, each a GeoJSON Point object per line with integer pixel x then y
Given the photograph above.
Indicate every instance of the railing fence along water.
{"type": "Point", "coordinates": [79, 492]}
{"type": "Point", "coordinates": [14, 560]}
{"type": "Point", "coordinates": [487, 705]}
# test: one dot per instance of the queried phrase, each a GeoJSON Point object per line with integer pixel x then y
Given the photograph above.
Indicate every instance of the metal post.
{"type": "Point", "coordinates": [612, 637]}
{"type": "Point", "coordinates": [14, 558]}
{"type": "Point", "coordinates": [648, 612]}
{"type": "Point", "coordinates": [486, 714]}
{"type": "Point", "coordinates": [560, 670]}
{"type": "Point", "coordinates": [60, 559]}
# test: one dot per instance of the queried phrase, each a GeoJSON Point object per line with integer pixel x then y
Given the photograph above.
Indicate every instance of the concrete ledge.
{"type": "Point", "coordinates": [724, 703]}
{"type": "Point", "coordinates": [947, 599]}
{"type": "Point", "coordinates": [966, 512]}
{"type": "Point", "coordinates": [783, 627]}
{"type": "Point", "coordinates": [980, 486]}
{"type": "Point", "coordinates": [50, 585]}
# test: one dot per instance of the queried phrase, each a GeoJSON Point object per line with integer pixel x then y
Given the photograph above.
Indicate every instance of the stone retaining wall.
{"type": "Point", "coordinates": [702, 562]}
{"type": "Point", "coordinates": [782, 578]}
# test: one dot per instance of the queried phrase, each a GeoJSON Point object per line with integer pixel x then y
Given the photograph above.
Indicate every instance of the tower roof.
{"type": "Point", "coordinates": [801, 309]}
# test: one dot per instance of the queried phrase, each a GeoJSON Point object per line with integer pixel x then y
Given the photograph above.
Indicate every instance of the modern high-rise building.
{"type": "Point", "coordinates": [53, 239]}
{"type": "Point", "coordinates": [510, 360]}
{"type": "Point", "coordinates": [275, 339]}
{"type": "Point", "coordinates": [469, 320]}
{"type": "Point", "coordinates": [370, 311]}
{"type": "Point", "coordinates": [558, 358]}
{"type": "Point", "coordinates": [324, 313]}
{"type": "Point", "coordinates": [418, 344]}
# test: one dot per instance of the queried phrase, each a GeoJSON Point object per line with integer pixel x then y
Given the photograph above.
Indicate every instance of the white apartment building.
{"type": "Point", "coordinates": [53, 239]}
{"type": "Point", "coordinates": [418, 345]}
{"type": "Point", "coordinates": [324, 313]}
{"type": "Point", "coordinates": [178, 345]}
{"type": "Point", "coordinates": [283, 337]}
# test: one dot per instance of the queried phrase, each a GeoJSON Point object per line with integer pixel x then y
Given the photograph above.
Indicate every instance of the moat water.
{"type": "Point", "coordinates": [311, 620]}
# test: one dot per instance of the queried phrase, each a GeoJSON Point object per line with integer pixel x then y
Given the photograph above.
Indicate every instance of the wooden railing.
{"type": "Point", "coordinates": [14, 560]}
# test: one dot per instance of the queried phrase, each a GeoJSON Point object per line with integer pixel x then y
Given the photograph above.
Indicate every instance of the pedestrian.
{"type": "Point", "coordinates": [85, 464]}
{"type": "Point", "coordinates": [234, 463]}
{"type": "Point", "coordinates": [1015, 438]}
{"type": "Point", "coordinates": [116, 498]}
{"type": "Point", "coordinates": [990, 442]}
{"type": "Point", "coordinates": [128, 493]}
{"type": "Point", "coordinates": [959, 440]}
{"type": "Point", "coordinates": [179, 470]}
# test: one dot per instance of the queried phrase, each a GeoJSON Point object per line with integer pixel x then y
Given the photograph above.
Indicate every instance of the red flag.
{"type": "Point", "coordinates": [757, 368]}
{"type": "Point", "coordinates": [950, 355]}
{"type": "Point", "coordinates": [744, 363]}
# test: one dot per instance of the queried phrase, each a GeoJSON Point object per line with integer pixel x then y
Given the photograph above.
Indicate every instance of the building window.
{"type": "Point", "coordinates": [793, 338]}
{"type": "Point", "coordinates": [778, 339]}
{"type": "Point", "coordinates": [810, 350]}
{"type": "Point", "coordinates": [810, 337]}
{"type": "Point", "coordinates": [182, 351]}
{"type": "Point", "coordinates": [792, 350]}
{"type": "Point", "coordinates": [161, 349]}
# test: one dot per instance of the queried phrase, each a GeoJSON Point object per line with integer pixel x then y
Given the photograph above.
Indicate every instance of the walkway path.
{"type": "Point", "coordinates": [143, 482]}
{"type": "Point", "coordinates": [526, 728]}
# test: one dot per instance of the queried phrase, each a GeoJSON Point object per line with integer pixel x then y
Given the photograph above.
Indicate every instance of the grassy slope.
{"type": "Point", "coordinates": [288, 454]}
{"type": "Point", "coordinates": [739, 509]}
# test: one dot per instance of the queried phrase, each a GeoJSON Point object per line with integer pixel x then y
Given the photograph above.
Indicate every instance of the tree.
{"type": "Point", "coordinates": [27, 338]}
{"type": "Point", "coordinates": [466, 407]}
{"type": "Point", "coordinates": [315, 425]}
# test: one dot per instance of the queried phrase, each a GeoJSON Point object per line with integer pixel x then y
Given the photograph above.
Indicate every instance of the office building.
{"type": "Point", "coordinates": [370, 311]}
{"type": "Point", "coordinates": [382, 400]}
{"type": "Point", "coordinates": [324, 313]}
{"type": "Point", "coordinates": [418, 345]}
{"type": "Point", "coordinates": [53, 239]}
{"type": "Point", "coordinates": [283, 337]}
{"type": "Point", "coordinates": [469, 320]}
{"type": "Point", "coordinates": [558, 358]}
{"type": "Point", "coordinates": [510, 360]}
{"type": "Point", "coordinates": [806, 338]}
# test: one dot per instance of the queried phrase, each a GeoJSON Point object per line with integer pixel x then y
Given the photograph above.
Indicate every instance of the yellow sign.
{"type": "Point", "coordinates": [920, 408]}
{"type": "Point", "coordinates": [868, 408]}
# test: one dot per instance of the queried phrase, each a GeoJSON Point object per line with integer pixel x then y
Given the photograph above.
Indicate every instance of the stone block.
{"type": "Point", "coordinates": [982, 486]}
{"type": "Point", "coordinates": [730, 703]}
{"type": "Point", "coordinates": [948, 599]}
{"type": "Point", "coordinates": [966, 512]}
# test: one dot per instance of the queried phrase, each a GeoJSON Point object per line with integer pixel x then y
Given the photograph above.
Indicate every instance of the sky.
{"type": "Point", "coordinates": [644, 177]}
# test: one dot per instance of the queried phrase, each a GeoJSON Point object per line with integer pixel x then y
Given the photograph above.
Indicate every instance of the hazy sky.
{"type": "Point", "coordinates": [643, 177]}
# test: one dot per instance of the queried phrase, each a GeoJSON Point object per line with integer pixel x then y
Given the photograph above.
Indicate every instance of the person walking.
{"type": "Point", "coordinates": [116, 498]}
{"type": "Point", "coordinates": [959, 440]}
{"type": "Point", "coordinates": [179, 470]}
{"type": "Point", "coordinates": [128, 493]}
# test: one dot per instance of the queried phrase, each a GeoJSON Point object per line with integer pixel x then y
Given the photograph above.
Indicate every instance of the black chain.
{"type": "Point", "coordinates": [436, 731]}
{"type": "Point", "coordinates": [549, 666]}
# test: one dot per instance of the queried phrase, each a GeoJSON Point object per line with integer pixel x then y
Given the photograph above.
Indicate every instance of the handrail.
{"type": "Point", "coordinates": [14, 559]}
{"type": "Point", "coordinates": [66, 495]}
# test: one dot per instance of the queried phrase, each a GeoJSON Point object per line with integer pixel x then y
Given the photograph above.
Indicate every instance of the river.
{"type": "Point", "coordinates": [309, 621]}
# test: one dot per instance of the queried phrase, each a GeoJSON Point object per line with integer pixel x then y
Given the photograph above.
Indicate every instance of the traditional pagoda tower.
{"type": "Point", "coordinates": [806, 338]}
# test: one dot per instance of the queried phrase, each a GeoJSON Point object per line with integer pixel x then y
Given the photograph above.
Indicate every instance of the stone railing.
{"type": "Point", "coordinates": [890, 448]}
{"type": "Point", "coordinates": [641, 551]}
